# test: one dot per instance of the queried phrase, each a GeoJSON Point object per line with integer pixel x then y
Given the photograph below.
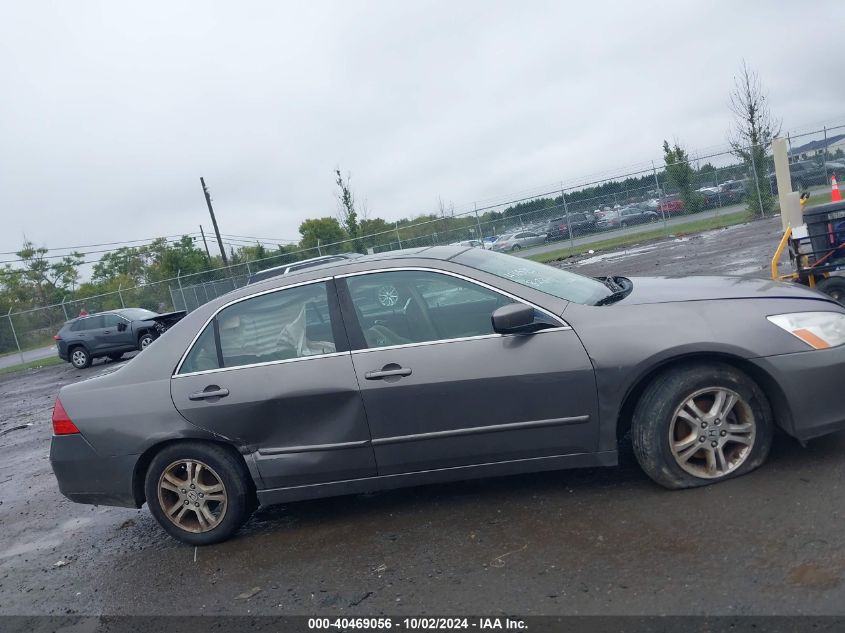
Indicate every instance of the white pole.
{"type": "Point", "coordinates": [14, 334]}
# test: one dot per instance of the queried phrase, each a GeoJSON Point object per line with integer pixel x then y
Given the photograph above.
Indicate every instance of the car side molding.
{"type": "Point", "coordinates": [440, 475]}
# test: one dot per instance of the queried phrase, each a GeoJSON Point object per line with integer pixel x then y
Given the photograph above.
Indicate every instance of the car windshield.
{"type": "Point", "coordinates": [137, 314]}
{"type": "Point", "coordinates": [548, 279]}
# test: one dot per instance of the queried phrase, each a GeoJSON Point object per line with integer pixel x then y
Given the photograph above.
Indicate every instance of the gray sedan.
{"type": "Point", "coordinates": [444, 363]}
{"type": "Point", "coordinates": [515, 241]}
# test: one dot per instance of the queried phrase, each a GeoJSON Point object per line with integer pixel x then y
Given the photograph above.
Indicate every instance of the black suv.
{"type": "Point", "coordinates": [557, 228]}
{"type": "Point", "coordinates": [803, 174]}
{"type": "Point", "coordinates": [111, 334]}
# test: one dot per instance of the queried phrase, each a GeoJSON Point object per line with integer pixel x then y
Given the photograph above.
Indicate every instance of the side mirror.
{"type": "Point", "coordinates": [513, 318]}
{"type": "Point", "coordinates": [121, 327]}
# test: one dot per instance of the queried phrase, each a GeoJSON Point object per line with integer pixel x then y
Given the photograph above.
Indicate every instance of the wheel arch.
{"type": "Point", "coordinates": [139, 474]}
{"type": "Point", "coordinates": [781, 411]}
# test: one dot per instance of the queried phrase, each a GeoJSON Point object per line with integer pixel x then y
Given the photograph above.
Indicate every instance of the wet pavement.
{"type": "Point", "coordinates": [597, 541]}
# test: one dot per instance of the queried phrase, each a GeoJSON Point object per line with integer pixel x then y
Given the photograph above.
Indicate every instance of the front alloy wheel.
{"type": "Point", "coordinates": [712, 433]}
{"type": "Point", "coordinates": [145, 341]}
{"type": "Point", "coordinates": [699, 423]}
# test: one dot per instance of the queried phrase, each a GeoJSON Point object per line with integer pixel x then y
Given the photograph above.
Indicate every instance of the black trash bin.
{"type": "Point", "coordinates": [826, 230]}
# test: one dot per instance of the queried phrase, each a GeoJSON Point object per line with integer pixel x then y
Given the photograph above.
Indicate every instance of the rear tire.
{"type": "Point", "coordinates": [624, 225]}
{"type": "Point", "coordinates": [79, 357]}
{"type": "Point", "coordinates": [713, 401]}
{"type": "Point", "coordinates": [199, 493]}
{"type": "Point", "coordinates": [515, 248]}
{"type": "Point", "coordinates": [834, 287]}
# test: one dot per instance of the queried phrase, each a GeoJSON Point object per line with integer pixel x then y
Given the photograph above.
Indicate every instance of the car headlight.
{"type": "Point", "coordinates": [819, 330]}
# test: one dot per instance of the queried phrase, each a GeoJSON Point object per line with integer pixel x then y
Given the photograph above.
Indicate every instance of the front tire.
{"type": "Point", "coordinates": [199, 493]}
{"type": "Point", "coordinates": [80, 358]}
{"type": "Point", "coordinates": [833, 287]}
{"type": "Point", "coordinates": [515, 248]}
{"type": "Point", "coordinates": [145, 340]}
{"type": "Point", "coordinates": [698, 424]}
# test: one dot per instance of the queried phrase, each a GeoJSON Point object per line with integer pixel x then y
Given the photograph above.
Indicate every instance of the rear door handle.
{"type": "Point", "coordinates": [208, 393]}
{"type": "Point", "coordinates": [387, 373]}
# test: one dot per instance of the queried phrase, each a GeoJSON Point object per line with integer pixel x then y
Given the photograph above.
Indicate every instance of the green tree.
{"type": "Point", "coordinates": [681, 175]}
{"type": "Point", "coordinates": [346, 203]}
{"type": "Point", "coordinates": [752, 133]}
{"type": "Point", "coordinates": [323, 232]}
{"type": "Point", "coordinates": [43, 277]}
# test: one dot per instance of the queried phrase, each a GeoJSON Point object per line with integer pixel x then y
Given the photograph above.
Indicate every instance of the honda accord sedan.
{"type": "Point", "coordinates": [445, 363]}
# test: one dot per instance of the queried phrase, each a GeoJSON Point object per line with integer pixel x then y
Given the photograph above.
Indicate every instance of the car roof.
{"type": "Point", "coordinates": [442, 253]}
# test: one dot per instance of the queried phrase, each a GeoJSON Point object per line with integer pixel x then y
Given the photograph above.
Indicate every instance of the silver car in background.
{"type": "Point", "coordinates": [511, 242]}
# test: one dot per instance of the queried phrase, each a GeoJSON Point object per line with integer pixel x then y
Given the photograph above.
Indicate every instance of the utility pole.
{"type": "Point", "coordinates": [214, 222]}
{"type": "Point", "coordinates": [208, 254]}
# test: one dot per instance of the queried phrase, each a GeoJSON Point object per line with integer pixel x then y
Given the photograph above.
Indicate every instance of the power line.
{"type": "Point", "coordinates": [60, 256]}
{"type": "Point", "coordinates": [148, 239]}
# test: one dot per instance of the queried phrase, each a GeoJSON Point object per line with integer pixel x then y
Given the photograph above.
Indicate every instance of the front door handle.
{"type": "Point", "coordinates": [387, 373]}
{"type": "Point", "coordinates": [209, 393]}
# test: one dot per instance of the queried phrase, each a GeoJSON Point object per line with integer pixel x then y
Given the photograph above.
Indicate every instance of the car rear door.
{"type": "Point", "coordinates": [443, 390]}
{"type": "Point", "coordinates": [273, 373]}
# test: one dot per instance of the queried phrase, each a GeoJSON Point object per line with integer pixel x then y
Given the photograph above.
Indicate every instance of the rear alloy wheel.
{"type": "Point", "coordinates": [699, 424]}
{"type": "Point", "coordinates": [199, 493]}
{"type": "Point", "coordinates": [80, 358]}
{"type": "Point", "coordinates": [515, 248]}
{"type": "Point", "coordinates": [145, 341]}
{"type": "Point", "coordinates": [833, 287]}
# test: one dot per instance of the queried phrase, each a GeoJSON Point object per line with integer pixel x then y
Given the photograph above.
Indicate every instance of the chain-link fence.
{"type": "Point", "coordinates": [646, 199]}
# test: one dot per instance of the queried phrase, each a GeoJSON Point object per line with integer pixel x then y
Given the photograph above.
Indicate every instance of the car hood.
{"type": "Point", "coordinates": [695, 288]}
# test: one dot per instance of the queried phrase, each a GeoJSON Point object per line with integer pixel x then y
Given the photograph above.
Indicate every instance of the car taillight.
{"type": "Point", "coordinates": [62, 424]}
{"type": "Point", "coordinates": [56, 337]}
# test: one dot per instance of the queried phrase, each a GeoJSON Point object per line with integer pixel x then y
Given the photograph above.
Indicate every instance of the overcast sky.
{"type": "Point", "coordinates": [112, 111]}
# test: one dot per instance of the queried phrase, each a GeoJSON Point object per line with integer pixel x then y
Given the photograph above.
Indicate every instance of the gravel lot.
{"type": "Point", "coordinates": [575, 542]}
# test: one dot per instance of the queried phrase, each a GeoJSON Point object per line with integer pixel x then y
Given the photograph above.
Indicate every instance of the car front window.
{"type": "Point", "coordinates": [554, 281]}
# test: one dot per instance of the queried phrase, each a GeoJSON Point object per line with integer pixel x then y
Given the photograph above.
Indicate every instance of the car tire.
{"type": "Point", "coordinates": [515, 248]}
{"type": "Point", "coordinates": [624, 225]}
{"type": "Point", "coordinates": [145, 340]}
{"type": "Point", "coordinates": [652, 218]}
{"type": "Point", "coordinates": [833, 287]}
{"type": "Point", "coordinates": [214, 472]}
{"type": "Point", "coordinates": [667, 431]}
{"type": "Point", "coordinates": [115, 357]}
{"type": "Point", "coordinates": [79, 357]}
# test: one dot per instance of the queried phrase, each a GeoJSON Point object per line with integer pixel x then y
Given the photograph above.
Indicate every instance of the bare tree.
{"type": "Point", "coordinates": [752, 132]}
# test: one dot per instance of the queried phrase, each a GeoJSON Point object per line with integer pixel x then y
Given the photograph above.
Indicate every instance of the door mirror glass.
{"type": "Point", "coordinates": [515, 317]}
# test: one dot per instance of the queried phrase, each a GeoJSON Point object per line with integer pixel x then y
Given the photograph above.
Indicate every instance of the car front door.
{"type": "Point", "coordinates": [114, 334]}
{"type": "Point", "coordinates": [442, 389]}
{"type": "Point", "coordinates": [273, 373]}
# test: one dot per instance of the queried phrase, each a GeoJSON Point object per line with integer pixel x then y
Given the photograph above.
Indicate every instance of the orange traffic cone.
{"type": "Point", "coordinates": [835, 196]}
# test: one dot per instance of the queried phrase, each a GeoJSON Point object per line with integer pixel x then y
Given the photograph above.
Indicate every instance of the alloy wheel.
{"type": "Point", "coordinates": [712, 433]}
{"type": "Point", "coordinates": [79, 358]}
{"type": "Point", "coordinates": [192, 496]}
{"type": "Point", "coordinates": [146, 341]}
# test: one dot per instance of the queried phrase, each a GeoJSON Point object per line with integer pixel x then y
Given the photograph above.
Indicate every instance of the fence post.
{"type": "Point", "coordinates": [568, 223]}
{"type": "Point", "coordinates": [396, 226]}
{"type": "Point", "coordinates": [319, 252]}
{"type": "Point", "coordinates": [757, 183]}
{"type": "Point", "coordinates": [14, 334]}
{"type": "Point", "coordinates": [478, 222]}
{"type": "Point", "coordinates": [120, 294]}
{"type": "Point", "coordinates": [64, 309]}
{"type": "Point", "coordinates": [181, 291]}
{"type": "Point", "coordinates": [659, 195]}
